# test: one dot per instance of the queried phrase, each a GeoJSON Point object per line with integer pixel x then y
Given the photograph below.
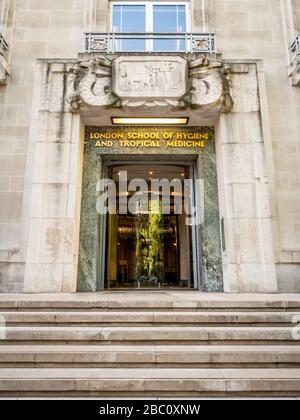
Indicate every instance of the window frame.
{"type": "Point", "coordinates": [149, 11]}
{"type": "Point", "coordinates": [149, 5]}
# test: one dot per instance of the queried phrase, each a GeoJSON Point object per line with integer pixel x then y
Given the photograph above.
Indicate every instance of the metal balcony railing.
{"type": "Point", "coordinates": [186, 42]}
{"type": "Point", "coordinates": [3, 47]}
{"type": "Point", "coordinates": [295, 48]}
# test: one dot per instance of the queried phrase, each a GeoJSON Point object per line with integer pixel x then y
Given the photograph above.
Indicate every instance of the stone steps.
{"type": "Point", "coordinates": [69, 318]}
{"type": "Point", "coordinates": [149, 345]}
{"type": "Point", "coordinates": [150, 382]}
{"type": "Point", "coordinates": [150, 356]}
{"type": "Point", "coordinates": [157, 301]}
{"type": "Point", "coordinates": [150, 335]}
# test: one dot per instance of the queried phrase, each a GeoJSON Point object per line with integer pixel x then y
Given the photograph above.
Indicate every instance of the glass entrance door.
{"type": "Point", "coordinates": [150, 244]}
{"type": "Point", "coordinates": [148, 254]}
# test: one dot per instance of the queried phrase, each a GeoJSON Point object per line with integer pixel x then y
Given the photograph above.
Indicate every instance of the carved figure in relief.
{"type": "Point", "coordinates": [161, 76]}
{"type": "Point", "coordinates": [171, 78]}
{"type": "Point", "coordinates": [151, 83]}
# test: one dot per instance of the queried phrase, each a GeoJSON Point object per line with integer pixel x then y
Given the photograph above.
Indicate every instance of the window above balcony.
{"type": "Point", "coordinates": [149, 27]}
{"type": "Point", "coordinates": [150, 18]}
{"type": "Point", "coordinates": [4, 62]}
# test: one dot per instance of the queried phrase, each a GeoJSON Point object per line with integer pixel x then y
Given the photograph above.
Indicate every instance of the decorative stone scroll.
{"type": "Point", "coordinates": [142, 82]}
{"type": "Point", "coordinates": [210, 85]}
{"type": "Point", "coordinates": [294, 67]}
{"type": "Point", "coordinates": [92, 84]}
{"type": "Point", "coordinates": [294, 71]}
{"type": "Point", "coordinates": [4, 68]}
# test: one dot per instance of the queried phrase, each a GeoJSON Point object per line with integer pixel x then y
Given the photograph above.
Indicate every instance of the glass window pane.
{"type": "Point", "coordinates": [133, 19]}
{"type": "Point", "coordinates": [129, 19]}
{"type": "Point", "coordinates": [165, 18]}
{"type": "Point", "coordinates": [169, 19]}
{"type": "Point", "coordinates": [181, 19]}
{"type": "Point", "coordinates": [116, 19]}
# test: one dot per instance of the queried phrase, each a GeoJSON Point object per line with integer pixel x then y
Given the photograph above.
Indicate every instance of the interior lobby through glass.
{"type": "Point", "coordinates": [152, 249]}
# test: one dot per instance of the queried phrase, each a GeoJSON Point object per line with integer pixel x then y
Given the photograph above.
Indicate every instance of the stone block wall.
{"type": "Point", "coordinates": [257, 29]}
{"type": "Point", "coordinates": [246, 29]}
{"type": "Point", "coordinates": [296, 10]}
{"type": "Point", "coordinates": [34, 29]}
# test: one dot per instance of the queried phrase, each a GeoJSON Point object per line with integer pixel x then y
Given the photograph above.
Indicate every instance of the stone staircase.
{"type": "Point", "coordinates": [150, 345]}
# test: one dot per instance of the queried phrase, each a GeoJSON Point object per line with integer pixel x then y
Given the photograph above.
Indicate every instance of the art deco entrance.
{"type": "Point", "coordinates": [65, 234]}
{"type": "Point", "coordinates": [150, 245]}
{"type": "Point", "coordinates": [162, 230]}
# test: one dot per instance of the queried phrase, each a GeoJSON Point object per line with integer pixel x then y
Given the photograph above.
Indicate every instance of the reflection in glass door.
{"type": "Point", "coordinates": [153, 248]}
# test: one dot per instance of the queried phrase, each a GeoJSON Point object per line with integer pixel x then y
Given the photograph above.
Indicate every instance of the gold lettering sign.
{"type": "Point", "coordinates": [149, 139]}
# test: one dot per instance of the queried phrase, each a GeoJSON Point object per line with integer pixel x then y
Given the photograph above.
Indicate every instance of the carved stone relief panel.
{"type": "Point", "coordinates": [149, 77]}
{"type": "Point", "coordinates": [141, 82]}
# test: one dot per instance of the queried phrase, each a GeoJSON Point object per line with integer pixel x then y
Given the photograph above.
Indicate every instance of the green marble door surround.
{"type": "Point", "coordinates": [91, 265]}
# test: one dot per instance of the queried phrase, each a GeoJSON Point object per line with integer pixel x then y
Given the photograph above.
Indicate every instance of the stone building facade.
{"type": "Point", "coordinates": [239, 75]}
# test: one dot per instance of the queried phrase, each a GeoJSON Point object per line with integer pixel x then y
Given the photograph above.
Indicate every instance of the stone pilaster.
{"type": "Point", "coordinates": [248, 257]}
{"type": "Point", "coordinates": [53, 209]}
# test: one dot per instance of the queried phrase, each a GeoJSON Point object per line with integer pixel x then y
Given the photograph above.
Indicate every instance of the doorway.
{"type": "Point", "coordinates": [151, 242]}
{"type": "Point", "coordinates": [98, 246]}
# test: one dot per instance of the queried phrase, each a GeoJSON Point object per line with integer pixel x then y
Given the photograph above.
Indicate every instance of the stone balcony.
{"type": "Point", "coordinates": [186, 42]}
{"type": "Point", "coordinates": [4, 60]}
{"type": "Point", "coordinates": [294, 68]}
